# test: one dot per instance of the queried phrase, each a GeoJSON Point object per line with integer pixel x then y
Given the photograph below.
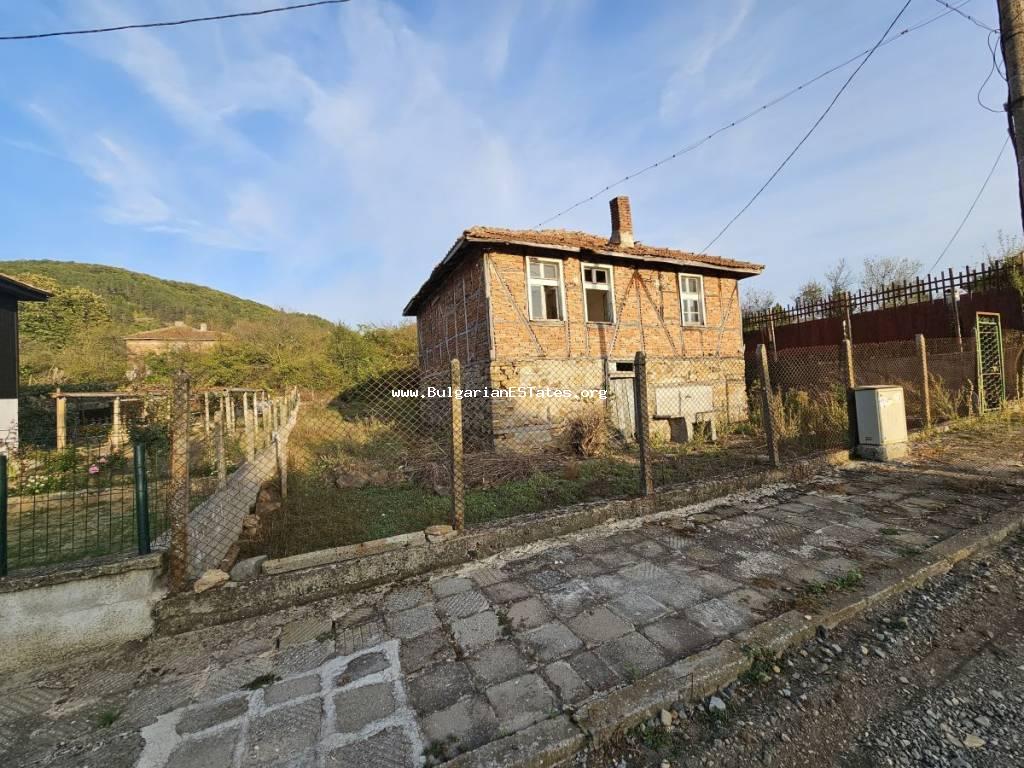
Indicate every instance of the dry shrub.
{"type": "Point", "coordinates": [948, 404]}
{"type": "Point", "coordinates": [584, 432]}
{"type": "Point", "coordinates": [811, 417]}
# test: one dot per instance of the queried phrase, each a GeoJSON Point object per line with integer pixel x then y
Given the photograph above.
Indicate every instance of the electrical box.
{"type": "Point", "coordinates": [881, 422]}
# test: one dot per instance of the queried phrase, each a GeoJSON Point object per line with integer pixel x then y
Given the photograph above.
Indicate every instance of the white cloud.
{"type": "Point", "coordinates": [695, 56]}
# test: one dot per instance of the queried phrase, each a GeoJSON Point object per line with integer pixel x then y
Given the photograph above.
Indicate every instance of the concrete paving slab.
{"type": "Point", "coordinates": [413, 622]}
{"type": "Point", "coordinates": [355, 708]}
{"type": "Point", "coordinates": [476, 631]}
{"type": "Point", "coordinates": [439, 687]}
{"type": "Point", "coordinates": [527, 614]}
{"type": "Point", "coordinates": [549, 641]}
{"type": "Point", "coordinates": [465, 725]}
{"type": "Point", "coordinates": [497, 663]}
{"type": "Point", "coordinates": [631, 656]}
{"type": "Point", "coordinates": [522, 701]}
{"type": "Point", "coordinates": [598, 625]}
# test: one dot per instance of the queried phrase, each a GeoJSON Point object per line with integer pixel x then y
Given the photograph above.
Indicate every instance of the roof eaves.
{"type": "Point", "coordinates": [23, 291]}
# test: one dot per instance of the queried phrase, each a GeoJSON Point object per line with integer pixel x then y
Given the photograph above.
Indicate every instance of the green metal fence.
{"type": "Point", "coordinates": [83, 502]}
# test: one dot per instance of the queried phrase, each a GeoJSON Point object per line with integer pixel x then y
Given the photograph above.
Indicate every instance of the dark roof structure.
{"type": "Point", "coordinates": [568, 241]}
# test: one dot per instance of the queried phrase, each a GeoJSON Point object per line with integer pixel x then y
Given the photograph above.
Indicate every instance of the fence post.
{"type": "Point", "coordinates": [281, 454]}
{"type": "Point", "coordinates": [179, 485]}
{"type": "Point", "coordinates": [926, 397]}
{"type": "Point", "coordinates": [218, 447]}
{"type": "Point", "coordinates": [62, 421]}
{"type": "Point", "coordinates": [458, 514]}
{"type": "Point", "coordinates": [768, 414]}
{"type": "Point", "coordinates": [846, 358]}
{"type": "Point", "coordinates": [248, 416]}
{"type": "Point", "coordinates": [643, 423]}
{"type": "Point", "coordinates": [206, 413]}
{"type": "Point", "coordinates": [3, 514]}
{"type": "Point", "coordinates": [141, 499]}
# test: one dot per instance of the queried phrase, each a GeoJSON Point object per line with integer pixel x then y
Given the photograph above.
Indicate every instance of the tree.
{"type": "Point", "coordinates": [839, 278]}
{"type": "Point", "coordinates": [810, 292]}
{"type": "Point", "coordinates": [881, 272]}
{"type": "Point", "coordinates": [69, 312]}
{"type": "Point", "coordinates": [757, 300]}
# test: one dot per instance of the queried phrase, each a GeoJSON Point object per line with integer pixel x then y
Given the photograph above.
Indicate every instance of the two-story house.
{"type": "Point", "coordinates": [569, 310]}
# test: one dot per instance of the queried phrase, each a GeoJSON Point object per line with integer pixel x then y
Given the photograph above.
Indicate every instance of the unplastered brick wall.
{"type": "Point", "coordinates": [523, 422]}
{"type": "Point", "coordinates": [646, 308]}
{"type": "Point", "coordinates": [452, 324]}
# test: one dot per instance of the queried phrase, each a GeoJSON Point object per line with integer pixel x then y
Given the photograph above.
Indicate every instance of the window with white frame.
{"type": "Point", "coordinates": [691, 299]}
{"type": "Point", "coordinates": [544, 282]}
{"type": "Point", "coordinates": [598, 293]}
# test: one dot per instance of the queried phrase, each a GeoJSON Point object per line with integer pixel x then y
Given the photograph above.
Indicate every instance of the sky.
{"type": "Point", "coordinates": [324, 160]}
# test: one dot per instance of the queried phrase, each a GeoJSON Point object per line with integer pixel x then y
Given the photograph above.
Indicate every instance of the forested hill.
{"type": "Point", "coordinates": [141, 300]}
{"type": "Point", "coordinates": [76, 339]}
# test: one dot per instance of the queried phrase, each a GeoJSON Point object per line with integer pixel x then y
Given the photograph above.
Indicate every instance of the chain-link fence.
{"type": "Point", "coordinates": [236, 472]}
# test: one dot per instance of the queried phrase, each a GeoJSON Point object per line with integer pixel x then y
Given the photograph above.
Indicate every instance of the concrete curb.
{"type": "Point", "coordinates": [320, 580]}
{"type": "Point", "coordinates": [553, 742]}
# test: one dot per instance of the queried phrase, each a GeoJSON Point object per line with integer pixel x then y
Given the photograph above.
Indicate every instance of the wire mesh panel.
{"type": "Point", "coordinates": [808, 399]}
{"type": "Point", "coordinates": [366, 463]}
{"type": "Point", "coordinates": [79, 502]}
{"type": "Point", "coordinates": [703, 422]}
{"type": "Point", "coordinates": [546, 432]}
{"type": "Point", "coordinates": [895, 363]}
{"type": "Point", "coordinates": [951, 376]}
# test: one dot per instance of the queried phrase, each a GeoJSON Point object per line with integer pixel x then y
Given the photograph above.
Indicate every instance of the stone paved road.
{"type": "Point", "coordinates": [420, 671]}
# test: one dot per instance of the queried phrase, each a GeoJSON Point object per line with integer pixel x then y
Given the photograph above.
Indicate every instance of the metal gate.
{"type": "Point", "coordinates": [988, 336]}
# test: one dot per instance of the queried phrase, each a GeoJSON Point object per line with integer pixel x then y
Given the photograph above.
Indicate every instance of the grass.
{"type": "Point", "coordinates": [849, 580]}
{"type": "Point", "coordinates": [319, 515]}
{"type": "Point", "coordinates": [761, 662]}
{"type": "Point", "coordinates": [108, 717]}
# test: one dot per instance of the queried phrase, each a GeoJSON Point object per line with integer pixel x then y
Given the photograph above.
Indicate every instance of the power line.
{"type": "Point", "coordinates": [700, 142]}
{"type": "Point", "coordinates": [177, 23]}
{"type": "Point", "coordinates": [970, 210]}
{"type": "Point", "coordinates": [970, 18]}
{"type": "Point", "coordinates": [814, 127]}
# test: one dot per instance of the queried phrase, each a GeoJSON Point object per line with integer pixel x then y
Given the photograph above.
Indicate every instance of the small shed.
{"type": "Point", "coordinates": [12, 291]}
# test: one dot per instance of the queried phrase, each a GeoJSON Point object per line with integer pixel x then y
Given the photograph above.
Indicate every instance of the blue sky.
{"type": "Point", "coordinates": [324, 160]}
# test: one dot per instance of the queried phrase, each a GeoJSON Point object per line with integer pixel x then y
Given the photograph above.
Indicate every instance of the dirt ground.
{"type": "Point", "coordinates": [933, 678]}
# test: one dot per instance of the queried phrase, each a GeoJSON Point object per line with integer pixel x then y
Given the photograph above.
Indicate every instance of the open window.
{"type": "Point", "coordinates": [691, 299]}
{"type": "Point", "coordinates": [598, 293]}
{"type": "Point", "coordinates": [544, 283]}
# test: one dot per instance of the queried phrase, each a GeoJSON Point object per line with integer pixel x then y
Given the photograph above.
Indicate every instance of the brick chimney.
{"type": "Point", "coordinates": [622, 222]}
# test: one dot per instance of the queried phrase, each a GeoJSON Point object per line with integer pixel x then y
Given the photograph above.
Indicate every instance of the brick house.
{"type": "Point", "coordinates": [569, 310]}
{"type": "Point", "coordinates": [173, 337]}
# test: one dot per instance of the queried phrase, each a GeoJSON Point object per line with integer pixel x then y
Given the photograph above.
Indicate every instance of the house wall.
{"type": "Point", "coordinates": [143, 347]}
{"type": "Point", "coordinates": [647, 313]}
{"type": "Point", "coordinates": [574, 354]}
{"type": "Point", "coordinates": [453, 324]}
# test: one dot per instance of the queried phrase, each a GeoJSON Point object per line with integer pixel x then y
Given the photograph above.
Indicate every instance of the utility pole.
{"type": "Point", "coordinates": [1011, 38]}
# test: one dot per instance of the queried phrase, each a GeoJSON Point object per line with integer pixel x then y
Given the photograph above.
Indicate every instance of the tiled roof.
{"type": "Point", "coordinates": [178, 333]}
{"type": "Point", "coordinates": [568, 240]}
{"type": "Point", "coordinates": [564, 238]}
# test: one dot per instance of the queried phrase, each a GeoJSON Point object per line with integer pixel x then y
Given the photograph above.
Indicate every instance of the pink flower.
{"type": "Point", "coordinates": [94, 470]}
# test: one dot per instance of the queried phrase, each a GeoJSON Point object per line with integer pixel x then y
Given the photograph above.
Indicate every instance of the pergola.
{"type": "Point", "coordinates": [118, 433]}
